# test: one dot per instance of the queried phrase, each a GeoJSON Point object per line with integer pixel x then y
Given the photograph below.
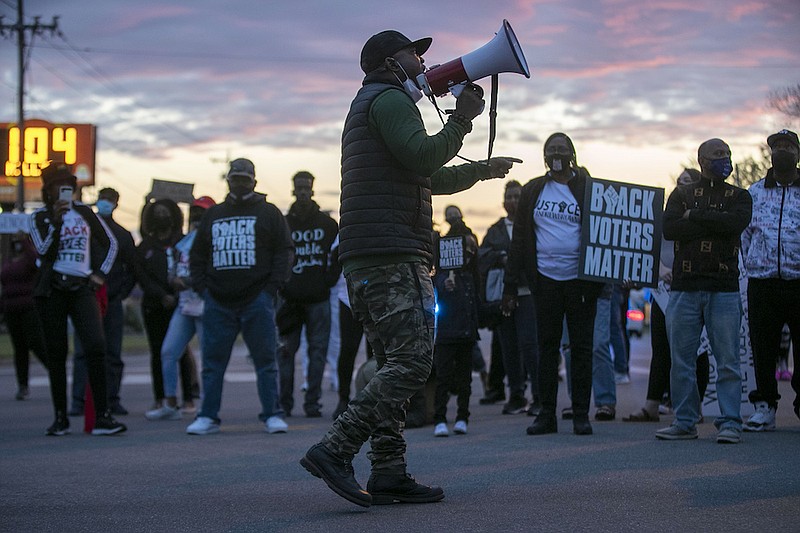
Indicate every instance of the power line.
{"type": "Point", "coordinates": [21, 29]}
{"type": "Point", "coordinates": [328, 60]}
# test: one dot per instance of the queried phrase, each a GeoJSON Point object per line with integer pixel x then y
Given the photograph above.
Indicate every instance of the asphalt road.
{"type": "Point", "coordinates": [496, 478]}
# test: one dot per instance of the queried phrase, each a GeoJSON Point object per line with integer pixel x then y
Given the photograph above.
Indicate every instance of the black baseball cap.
{"type": "Point", "coordinates": [386, 44]}
{"type": "Point", "coordinates": [783, 134]}
{"type": "Point", "coordinates": [242, 167]}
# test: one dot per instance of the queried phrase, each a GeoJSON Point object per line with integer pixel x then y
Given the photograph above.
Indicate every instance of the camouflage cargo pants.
{"type": "Point", "coordinates": [395, 304]}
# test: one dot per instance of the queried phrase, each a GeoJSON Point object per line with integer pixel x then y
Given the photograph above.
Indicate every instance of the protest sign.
{"type": "Point", "coordinates": [621, 232]}
{"type": "Point", "coordinates": [451, 253]}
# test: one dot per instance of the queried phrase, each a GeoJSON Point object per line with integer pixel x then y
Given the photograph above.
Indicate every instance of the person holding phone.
{"type": "Point", "coordinates": [76, 251]}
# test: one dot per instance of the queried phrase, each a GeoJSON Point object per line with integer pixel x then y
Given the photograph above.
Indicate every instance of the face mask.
{"type": "Point", "coordinates": [409, 86]}
{"type": "Point", "coordinates": [722, 167]}
{"type": "Point", "coordinates": [783, 161]}
{"type": "Point", "coordinates": [557, 162]}
{"type": "Point", "coordinates": [104, 207]}
{"type": "Point", "coordinates": [240, 192]}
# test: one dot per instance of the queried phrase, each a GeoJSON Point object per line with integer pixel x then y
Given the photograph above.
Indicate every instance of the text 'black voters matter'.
{"type": "Point", "coordinates": [621, 232]}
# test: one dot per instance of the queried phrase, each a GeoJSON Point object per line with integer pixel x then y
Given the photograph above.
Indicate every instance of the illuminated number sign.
{"type": "Point", "coordinates": [73, 144]}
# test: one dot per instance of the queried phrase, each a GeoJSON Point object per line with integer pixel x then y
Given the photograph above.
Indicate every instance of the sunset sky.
{"type": "Point", "coordinates": [177, 88]}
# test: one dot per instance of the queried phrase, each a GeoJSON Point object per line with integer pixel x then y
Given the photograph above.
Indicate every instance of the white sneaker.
{"type": "Point", "coordinates": [203, 425]}
{"type": "Point", "coordinates": [164, 413]}
{"type": "Point", "coordinates": [276, 424]}
{"type": "Point", "coordinates": [441, 430]}
{"type": "Point", "coordinates": [460, 427]}
{"type": "Point", "coordinates": [621, 379]}
{"type": "Point", "coordinates": [762, 420]}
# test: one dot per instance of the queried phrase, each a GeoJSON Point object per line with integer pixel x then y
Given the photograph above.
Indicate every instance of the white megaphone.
{"type": "Point", "coordinates": [502, 54]}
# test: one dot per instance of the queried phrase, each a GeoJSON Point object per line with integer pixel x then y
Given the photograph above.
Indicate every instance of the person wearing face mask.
{"type": "Point", "coordinates": [241, 257]}
{"type": "Point", "coordinates": [186, 318]}
{"type": "Point", "coordinates": [162, 228]}
{"type": "Point", "coordinates": [304, 300]}
{"type": "Point", "coordinates": [390, 169]}
{"type": "Point", "coordinates": [706, 220]}
{"type": "Point", "coordinates": [76, 252]}
{"type": "Point", "coordinates": [771, 250]}
{"type": "Point", "coordinates": [119, 283]}
{"type": "Point", "coordinates": [18, 309]}
{"type": "Point", "coordinates": [544, 253]}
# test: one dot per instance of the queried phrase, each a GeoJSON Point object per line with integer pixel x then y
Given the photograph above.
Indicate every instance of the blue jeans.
{"type": "Point", "coordinates": [617, 331]}
{"type": "Point", "coordinates": [605, 388]}
{"type": "Point", "coordinates": [721, 314]}
{"type": "Point", "coordinates": [180, 331]}
{"type": "Point", "coordinates": [221, 324]}
{"type": "Point", "coordinates": [317, 319]}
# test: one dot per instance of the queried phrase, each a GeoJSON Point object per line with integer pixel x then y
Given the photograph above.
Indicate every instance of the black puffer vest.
{"type": "Point", "coordinates": [385, 208]}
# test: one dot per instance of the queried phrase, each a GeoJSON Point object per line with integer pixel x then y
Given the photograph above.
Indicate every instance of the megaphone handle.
{"type": "Point", "coordinates": [493, 114]}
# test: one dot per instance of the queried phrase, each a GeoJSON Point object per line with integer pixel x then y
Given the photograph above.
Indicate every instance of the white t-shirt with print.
{"type": "Point", "coordinates": [557, 220]}
{"type": "Point", "coordinates": [73, 257]}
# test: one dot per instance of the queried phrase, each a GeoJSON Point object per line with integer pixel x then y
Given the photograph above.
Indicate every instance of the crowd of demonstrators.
{"type": "Point", "coordinates": [390, 168]}
{"type": "Point", "coordinates": [77, 251]}
{"type": "Point", "coordinates": [119, 283]}
{"type": "Point", "coordinates": [186, 320]}
{"type": "Point", "coordinates": [706, 220]}
{"type": "Point", "coordinates": [305, 298]}
{"type": "Point", "coordinates": [771, 249]}
{"type": "Point", "coordinates": [544, 254]}
{"type": "Point", "coordinates": [19, 311]}
{"type": "Point", "coordinates": [458, 304]}
{"type": "Point", "coordinates": [244, 267]}
{"type": "Point", "coordinates": [241, 257]}
{"type": "Point", "coordinates": [162, 228]}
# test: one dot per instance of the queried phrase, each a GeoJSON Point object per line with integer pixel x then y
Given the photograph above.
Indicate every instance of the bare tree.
{"type": "Point", "coordinates": [751, 169]}
{"type": "Point", "coordinates": [786, 100]}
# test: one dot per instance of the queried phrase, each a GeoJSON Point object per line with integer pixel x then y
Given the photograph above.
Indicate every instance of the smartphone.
{"type": "Point", "coordinates": [65, 194]}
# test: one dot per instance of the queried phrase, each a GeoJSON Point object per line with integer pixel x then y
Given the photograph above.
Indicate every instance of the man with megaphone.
{"type": "Point", "coordinates": [390, 169]}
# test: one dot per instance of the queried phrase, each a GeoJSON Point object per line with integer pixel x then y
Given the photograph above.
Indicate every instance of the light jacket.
{"type": "Point", "coordinates": [771, 243]}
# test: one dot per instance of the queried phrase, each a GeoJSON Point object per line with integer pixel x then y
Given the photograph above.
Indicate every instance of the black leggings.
{"type": "Point", "coordinates": [81, 306]}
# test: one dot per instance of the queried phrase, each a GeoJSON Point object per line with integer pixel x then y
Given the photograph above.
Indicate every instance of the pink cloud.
{"type": "Point", "coordinates": [134, 15]}
{"type": "Point", "coordinates": [610, 68]}
{"type": "Point", "coordinates": [742, 10]}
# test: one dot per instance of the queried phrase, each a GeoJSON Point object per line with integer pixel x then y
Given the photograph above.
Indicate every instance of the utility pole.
{"type": "Point", "coordinates": [37, 28]}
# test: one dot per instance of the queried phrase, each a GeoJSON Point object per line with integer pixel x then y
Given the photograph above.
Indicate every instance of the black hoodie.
{"type": "Point", "coordinates": [242, 247]}
{"type": "Point", "coordinates": [313, 233]}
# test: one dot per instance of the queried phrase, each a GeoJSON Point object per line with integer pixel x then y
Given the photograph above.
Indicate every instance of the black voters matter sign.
{"type": "Point", "coordinates": [451, 253]}
{"type": "Point", "coordinates": [621, 232]}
